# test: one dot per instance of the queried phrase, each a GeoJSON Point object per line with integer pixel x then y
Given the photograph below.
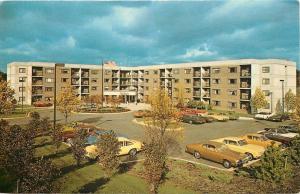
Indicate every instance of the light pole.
{"type": "Point", "coordinates": [54, 103]}
{"type": "Point", "coordinates": [102, 93]}
{"type": "Point", "coordinates": [22, 93]}
{"type": "Point", "coordinates": [282, 86]}
{"type": "Point", "coordinates": [271, 97]}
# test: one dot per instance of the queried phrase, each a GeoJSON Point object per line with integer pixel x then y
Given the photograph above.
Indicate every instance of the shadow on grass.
{"type": "Point", "coordinates": [58, 154]}
{"type": "Point", "coordinates": [93, 186]}
{"type": "Point", "coordinates": [127, 164]}
{"type": "Point", "coordinates": [73, 167]}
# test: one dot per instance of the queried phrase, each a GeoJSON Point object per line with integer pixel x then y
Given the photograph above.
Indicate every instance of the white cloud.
{"type": "Point", "coordinates": [203, 50]}
{"type": "Point", "coordinates": [237, 34]}
{"type": "Point", "coordinates": [21, 49]}
{"type": "Point", "coordinates": [70, 42]}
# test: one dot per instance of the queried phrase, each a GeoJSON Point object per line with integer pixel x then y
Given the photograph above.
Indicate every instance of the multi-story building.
{"type": "Point", "coordinates": [223, 84]}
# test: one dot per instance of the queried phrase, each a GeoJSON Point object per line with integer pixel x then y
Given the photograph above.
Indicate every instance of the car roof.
{"type": "Point", "coordinates": [122, 139]}
{"type": "Point", "coordinates": [233, 138]}
{"type": "Point", "coordinates": [216, 144]}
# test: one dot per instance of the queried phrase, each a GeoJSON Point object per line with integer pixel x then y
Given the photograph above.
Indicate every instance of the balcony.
{"type": "Point", "coordinates": [125, 83]}
{"type": "Point", "coordinates": [197, 84]}
{"type": "Point", "coordinates": [76, 74]}
{"type": "Point", "coordinates": [162, 74]}
{"type": "Point", "coordinates": [245, 96]}
{"type": "Point", "coordinates": [85, 74]}
{"type": "Point", "coordinates": [75, 82]}
{"type": "Point", "coordinates": [85, 90]}
{"type": "Point", "coordinates": [37, 73]}
{"type": "Point", "coordinates": [206, 95]}
{"type": "Point", "coordinates": [135, 75]}
{"type": "Point", "coordinates": [84, 82]}
{"type": "Point", "coordinates": [206, 74]}
{"type": "Point", "coordinates": [245, 85]}
{"type": "Point", "coordinates": [135, 83]}
{"type": "Point", "coordinates": [37, 82]}
{"type": "Point", "coordinates": [206, 84]}
{"type": "Point", "coordinates": [197, 93]}
{"type": "Point", "coordinates": [197, 74]}
{"type": "Point", "coordinates": [37, 92]}
{"type": "Point", "coordinates": [115, 83]}
{"type": "Point", "coordinates": [125, 75]}
{"type": "Point", "coordinates": [245, 73]}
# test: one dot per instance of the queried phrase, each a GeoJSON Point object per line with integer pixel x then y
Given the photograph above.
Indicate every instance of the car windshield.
{"type": "Point", "coordinates": [263, 138]}
{"type": "Point", "coordinates": [282, 131]}
{"type": "Point", "coordinates": [242, 142]}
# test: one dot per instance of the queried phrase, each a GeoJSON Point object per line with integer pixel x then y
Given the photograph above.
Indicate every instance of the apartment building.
{"type": "Point", "coordinates": [223, 84]}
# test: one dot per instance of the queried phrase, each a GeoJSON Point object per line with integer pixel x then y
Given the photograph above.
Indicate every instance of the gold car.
{"type": "Point", "coordinates": [259, 139]}
{"type": "Point", "coordinates": [240, 145]}
{"type": "Point", "coordinates": [127, 146]}
{"type": "Point", "coordinates": [217, 152]}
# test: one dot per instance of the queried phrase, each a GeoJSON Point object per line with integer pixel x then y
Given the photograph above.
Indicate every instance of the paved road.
{"type": "Point", "coordinates": [122, 124]}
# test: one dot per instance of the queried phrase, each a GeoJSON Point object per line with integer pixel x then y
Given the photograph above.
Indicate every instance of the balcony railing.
{"type": "Point", "coordinates": [125, 83]}
{"type": "Point", "coordinates": [245, 85]}
{"type": "Point", "coordinates": [37, 73]}
{"type": "Point", "coordinates": [245, 73]}
{"type": "Point", "coordinates": [197, 84]}
{"type": "Point", "coordinates": [206, 74]}
{"type": "Point", "coordinates": [245, 96]}
{"type": "Point", "coordinates": [206, 95]}
{"type": "Point", "coordinates": [85, 91]}
{"type": "Point", "coordinates": [35, 92]}
{"type": "Point", "coordinates": [85, 74]}
{"type": "Point", "coordinates": [197, 74]}
{"type": "Point", "coordinates": [197, 93]}
{"type": "Point", "coordinates": [85, 83]}
{"type": "Point", "coordinates": [125, 75]}
{"type": "Point", "coordinates": [75, 74]}
{"type": "Point", "coordinates": [206, 85]}
{"type": "Point", "coordinates": [39, 82]}
{"type": "Point", "coordinates": [75, 82]}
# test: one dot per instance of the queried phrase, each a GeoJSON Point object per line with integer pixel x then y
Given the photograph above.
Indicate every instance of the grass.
{"type": "Point", "coordinates": [17, 113]}
{"type": "Point", "coordinates": [234, 113]}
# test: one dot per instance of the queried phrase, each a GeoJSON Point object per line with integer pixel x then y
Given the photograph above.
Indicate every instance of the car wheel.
{"type": "Point", "coordinates": [197, 155]}
{"type": "Point", "coordinates": [190, 122]}
{"type": "Point", "coordinates": [132, 152]}
{"type": "Point", "coordinates": [250, 156]}
{"type": "Point", "coordinates": [226, 164]}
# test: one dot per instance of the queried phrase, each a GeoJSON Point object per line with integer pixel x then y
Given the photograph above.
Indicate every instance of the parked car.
{"type": "Point", "coordinates": [259, 139]}
{"type": "Point", "coordinates": [127, 146]}
{"type": "Point", "coordinates": [240, 145]}
{"type": "Point", "coordinates": [286, 141]}
{"type": "Point", "coordinates": [290, 128]}
{"type": "Point", "coordinates": [263, 115]}
{"type": "Point", "coordinates": [281, 131]}
{"type": "Point", "coordinates": [193, 119]}
{"type": "Point", "coordinates": [279, 118]}
{"type": "Point", "coordinates": [141, 113]}
{"type": "Point", "coordinates": [217, 152]}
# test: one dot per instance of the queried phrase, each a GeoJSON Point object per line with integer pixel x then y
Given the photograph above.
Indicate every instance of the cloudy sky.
{"type": "Point", "coordinates": [141, 33]}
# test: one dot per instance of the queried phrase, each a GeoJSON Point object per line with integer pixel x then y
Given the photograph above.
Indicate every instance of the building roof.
{"type": "Point", "coordinates": [111, 65]}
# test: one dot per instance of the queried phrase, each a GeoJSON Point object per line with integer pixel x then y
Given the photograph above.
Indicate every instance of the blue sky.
{"type": "Point", "coordinates": [141, 33]}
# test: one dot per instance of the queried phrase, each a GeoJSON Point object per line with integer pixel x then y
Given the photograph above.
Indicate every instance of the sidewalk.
{"type": "Point", "coordinates": [135, 107]}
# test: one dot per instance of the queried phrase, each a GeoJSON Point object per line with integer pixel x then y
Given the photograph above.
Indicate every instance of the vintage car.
{"type": "Point", "coordinates": [286, 141]}
{"type": "Point", "coordinates": [281, 131]}
{"type": "Point", "coordinates": [240, 145]}
{"type": "Point", "coordinates": [259, 139]}
{"type": "Point", "coordinates": [127, 146]}
{"type": "Point", "coordinates": [263, 115]}
{"type": "Point", "coordinates": [193, 119]}
{"type": "Point", "coordinates": [217, 152]}
{"type": "Point", "coordinates": [290, 128]}
{"type": "Point", "coordinates": [141, 113]}
{"type": "Point", "coordinates": [278, 118]}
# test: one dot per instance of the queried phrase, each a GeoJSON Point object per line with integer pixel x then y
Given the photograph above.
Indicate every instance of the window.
{"type": "Point", "coordinates": [265, 81]}
{"type": "Point", "coordinates": [216, 103]}
{"type": "Point", "coordinates": [146, 88]}
{"type": "Point", "coordinates": [106, 88]}
{"type": "Point", "coordinates": [187, 71]}
{"type": "Point", "coordinates": [232, 81]}
{"type": "Point", "coordinates": [147, 80]}
{"type": "Point", "coordinates": [232, 69]}
{"type": "Point", "coordinates": [94, 80]}
{"type": "Point", "coordinates": [176, 80]}
{"type": "Point", "coordinates": [266, 92]}
{"type": "Point", "coordinates": [21, 89]}
{"type": "Point", "coordinates": [49, 80]}
{"type": "Point", "coordinates": [48, 89]}
{"type": "Point", "coordinates": [216, 70]}
{"type": "Point", "coordinates": [106, 80]}
{"type": "Point", "coordinates": [127, 143]}
{"type": "Point", "coordinates": [22, 99]}
{"type": "Point", "coordinates": [232, 92]}
{"type": "Point", "coordinates": [216, 91]}
{"type": "Point", "coordinates": [188, 90]}
{"type": "Point", "coordinates": [176, 89]}
{"type": "Point", "coordinates": [107, 72]}
{"type": "Point", "coordinates": [231, 104]}
{"type": "Point", "coordinates": [64, 80]}
{"type": "Point", "coordinates": [146, 72]}
{"type": "Point", "coordinates": [49, 70]}
{"type": "Point", "coordinates": [216, 81]}
{"type": "Point", "coordinates": [22, 70]}
{"type": "Point", "coordinates": [155, 72]}
{"type": "Point", "coordinates": [266, 69]}
{"type": "Point", "coordinates": [155, 81]}
{"type": "Point", "coordinates": [176, 71]}
{"type": "Point", "coordinates": [187, 81]}
{"type": "Point", "coordinates": [64, 71]}
{"type": "Point", "coordinates": [94, 88]}
{"type": "Point", "coordinates": [22, 79]}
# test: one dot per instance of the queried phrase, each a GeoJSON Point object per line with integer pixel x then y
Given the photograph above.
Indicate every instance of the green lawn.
{"type": "Point", "coordinates": [17, 113]}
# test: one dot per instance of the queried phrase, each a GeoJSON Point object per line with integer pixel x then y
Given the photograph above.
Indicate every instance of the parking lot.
{"type": "Point", "coordinates": [123, 125]}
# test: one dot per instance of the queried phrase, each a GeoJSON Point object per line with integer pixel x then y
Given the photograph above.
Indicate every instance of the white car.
{"type": "Point", "coordinates": [263, 115]}
{"type": "Point", "coordinates": [281, 132]}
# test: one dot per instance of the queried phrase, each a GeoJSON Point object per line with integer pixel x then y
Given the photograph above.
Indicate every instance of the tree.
{"type": "Point", "coordinates": [4, 128]}
{"type": "Point", "coordinates": [78, 145]}
{"type": "Point", "coordinates": [274, 166]}
{"type": "Point", "coordinates": [108, 149]}
{"type": "Point", "coordinates": [115, 101]}
{"type": "Point", "coordinates": [7, 100]}
{"type": "Point", "coordinates": [180, 95]}
{"type": "Point", "coordinates": [278, 108]}
{"type": "Point", "coordinates": [290, 101]}
{"type": "Point", "coordinates": [94, 99]}
{"type": "Point", "coordinates": [56, 136]}
{"type": "Point", "coordinates": [3, 76]}
{"type": "Point", "coordinates": [38, 125]}
{"type": "Point", "coordinates": [40, 176]}
{"type": "Point", "coordinates": [67, 102]}
{"type": "Point", "coordinates": [294, 150]}
{"type": "Point", "coordinates": [258, 100]}
{"type": "Point", "coordinates": [159, 139]}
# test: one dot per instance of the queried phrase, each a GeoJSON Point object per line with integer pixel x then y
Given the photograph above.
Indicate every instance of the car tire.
{"type": "Point", "coordinates": [190, 122]}
{"type": "Point", "coordinates": [132, 152]}
{"type": "Point", "coordinates": [197, 155]}
{"type": "Point", "coordinates": [226, 164]}
{"type": "Point", "coordinates": [250, 156]}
